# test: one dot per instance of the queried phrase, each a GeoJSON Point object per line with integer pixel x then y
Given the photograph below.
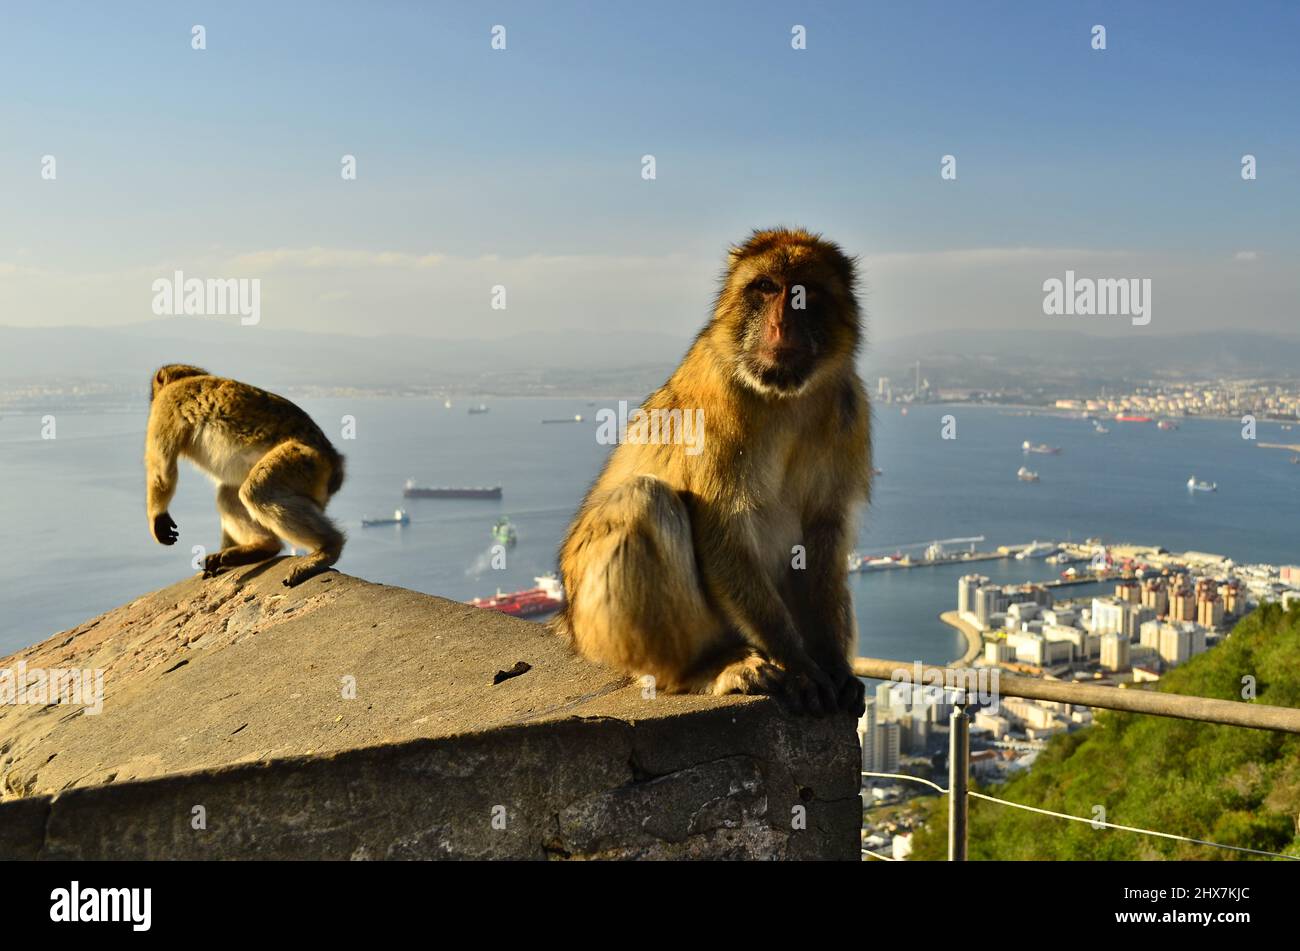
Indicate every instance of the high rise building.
{"type": "Point", "coordinates": [1155, 595]}
{"type": "Point", "coordinates": [1114, 651]}
{"type": "Point", "coordinates": [867, 735]}
{"type": "Point", "coordinates": [967, 585]}
{"type": "Point", "coordinates": [887, 747]}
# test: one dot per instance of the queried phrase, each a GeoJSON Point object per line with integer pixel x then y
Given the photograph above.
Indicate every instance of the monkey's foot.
{"type": "Point", "coordinates": [809, 691]}
{"type": "Point", "coordinates": [234, 557]}
{"type": "Point", "coordinates": [303, 572]}
{"type": "Point", "coordinates": [752, 675]}
{"type": "Point", "coordinates": [850, 692]}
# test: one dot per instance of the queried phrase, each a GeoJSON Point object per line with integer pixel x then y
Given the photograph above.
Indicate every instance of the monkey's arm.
{"type": "Point", "coordinates": [741, 589]}
{"type": "Point", "coordinates": [823, 607]}
{"type": "Point", "coordinates": [160, 481]}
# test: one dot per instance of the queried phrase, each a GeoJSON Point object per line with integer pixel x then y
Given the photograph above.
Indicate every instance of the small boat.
{"type": "Point", "coordinates": [566, 419]}
{"type": "Point", "coordinates": [446, 404]}
{"type": "Point", "coordinates": [1130, 418]}
{"type": "Point", "coordinates": [504, 532]}
{"type": "Point", "coordinates": [399, 518]}
{"type": "Point", "coordinates": [1166, 424]}
{"type": "Point", "coordinates": [1026, 475]}
{"type": "Point", "coordinates": [1040, 448]}
{"type": "Point", "coordinates": [1193, 485]}
{"type": "Point", "coordinates": [480, 408]}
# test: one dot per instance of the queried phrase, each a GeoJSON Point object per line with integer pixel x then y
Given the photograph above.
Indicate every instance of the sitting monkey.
{"type": "Point", "coordinates": [275, 471]}
{"type": "Point", "coordinates": [725, 570]}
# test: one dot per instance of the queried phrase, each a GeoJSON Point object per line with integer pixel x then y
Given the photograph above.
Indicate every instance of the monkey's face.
{"type": "Point", "coordinates": [790, 311]}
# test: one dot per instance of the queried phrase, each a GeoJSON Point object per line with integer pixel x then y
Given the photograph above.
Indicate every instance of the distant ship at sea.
{"type": "Point", "coordinates": [504, 532]}
{"type": "Point", "coordinates": [546, 598]}
{"type": "Point", "coordinates": [413, 491]}
{"type": "Point", "coordinates": [1040, 448]}
{"type": "Point", "coordinates": [1026, 475]}
{"type": "Point", "coordinates": [476, 410]}
{"type": "Point", "coordinates": [1193, 485]}
{"type": "Point", "coordinates": [399, 518]}
{"type": "Point", "coordinates": [1166, 424]}
{"type": "Point", "coordinates": [565, 419]}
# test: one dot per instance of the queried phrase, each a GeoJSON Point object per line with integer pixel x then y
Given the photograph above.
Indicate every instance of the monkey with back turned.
{"type": "Point", "coordinates": [275, 470]}
{"type": "Point", "coordinates": [687, 567]}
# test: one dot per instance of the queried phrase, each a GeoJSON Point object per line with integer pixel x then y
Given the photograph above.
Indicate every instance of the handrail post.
{"type": "Point", "coordinates": [958, 779]}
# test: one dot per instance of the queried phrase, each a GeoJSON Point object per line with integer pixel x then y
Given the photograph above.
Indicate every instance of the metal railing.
{"type": "Point", "coordinates": [1256, 716]}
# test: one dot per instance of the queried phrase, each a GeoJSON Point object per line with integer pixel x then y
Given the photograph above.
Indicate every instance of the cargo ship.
{"type": "Point", "coordinates": [546, 598]}
{"type": "Point", "coordinates": [1126, 418]}
{"type": "Point", "coordinates": [399, 518]}
{"type": "Point", "coordinates": [413, 491]}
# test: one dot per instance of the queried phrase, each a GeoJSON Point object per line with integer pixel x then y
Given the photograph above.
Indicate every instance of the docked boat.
{"type": "Point", "coordinates": [880, 564]}
{"type": "Point", "coordinates": [1036, 550]}
{"type": "Point", "coordinates": [399, 518]}
{"type": "Point", "coordinates": [1195, 485]}
{"type": "Point", "coordinates": [1040, 448]}
{"type": "Point", "coordinates": [413, 491]}
{"type": "Point", "coordinates": [546, 598]}
{"type": "Point", "coordinates": [1026, 475]}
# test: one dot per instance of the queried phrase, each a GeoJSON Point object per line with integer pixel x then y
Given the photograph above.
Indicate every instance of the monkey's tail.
{"type": "Point", "coordinates": [336, 474]}
{"type": "Point", "coordinates": [560, 625]}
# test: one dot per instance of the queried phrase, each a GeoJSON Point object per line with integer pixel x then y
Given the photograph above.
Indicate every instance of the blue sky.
{"type": "Point", "coordinates": [526, 162]}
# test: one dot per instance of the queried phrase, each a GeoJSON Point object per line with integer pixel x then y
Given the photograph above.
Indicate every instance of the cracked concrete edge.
{"type": "Point", "coordinates": [375, 802]}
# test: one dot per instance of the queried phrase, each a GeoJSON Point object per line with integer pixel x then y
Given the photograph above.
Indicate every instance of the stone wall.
{"type": "Point", "coordinates": [343, 719]}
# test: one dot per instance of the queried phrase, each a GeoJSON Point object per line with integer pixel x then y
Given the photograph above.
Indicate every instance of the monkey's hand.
{"type": "Point", "coordinates": [164, 529]}
{"type": "Point", "coordinates": [807, 689]}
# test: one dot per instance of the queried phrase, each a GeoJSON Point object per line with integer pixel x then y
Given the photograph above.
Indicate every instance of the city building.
{"type": "Point", "coordinates": [1115, 651]}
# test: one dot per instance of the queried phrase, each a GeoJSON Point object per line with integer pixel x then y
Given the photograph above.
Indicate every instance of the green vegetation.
{"type": "Point", "coordinates": [1224, 784]}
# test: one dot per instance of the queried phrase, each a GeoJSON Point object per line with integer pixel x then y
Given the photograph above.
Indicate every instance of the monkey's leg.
{"type": "Point", "coordinates": [823, 607]}
{"type": "Point", "coordinates": [285, 493]}
{"type": "Point", "coordinates": [737, 582]}
{"type": "Point", "coordinates": [243, 540]}
{"type": "Point", "coordinates": [635, 601]}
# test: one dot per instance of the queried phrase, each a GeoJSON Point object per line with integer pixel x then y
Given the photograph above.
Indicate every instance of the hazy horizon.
{"type": "Point", "coordinates": [521, 167]}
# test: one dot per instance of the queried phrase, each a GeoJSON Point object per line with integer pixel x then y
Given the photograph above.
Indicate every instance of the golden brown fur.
{"type": "Point", "coordinates": [680, 566]}
{"type": "Point", "coordinates": [274, 468]}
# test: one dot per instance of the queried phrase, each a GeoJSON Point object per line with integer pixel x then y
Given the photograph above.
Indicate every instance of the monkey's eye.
{"type": "Point", "coordinates": [764, 285]}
